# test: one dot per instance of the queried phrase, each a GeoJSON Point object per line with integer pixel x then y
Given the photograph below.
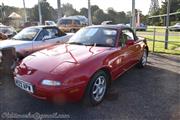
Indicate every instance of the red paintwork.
{"type": "Point", "coordinates": [74, 65]}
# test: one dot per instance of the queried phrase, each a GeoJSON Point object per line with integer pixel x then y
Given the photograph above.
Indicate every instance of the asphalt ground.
{"type": "Point", "coordinates": [152, 93]}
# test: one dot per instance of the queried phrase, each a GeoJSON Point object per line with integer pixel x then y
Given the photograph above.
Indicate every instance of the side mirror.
{"type": "Point", "coordinates": [130, 42]}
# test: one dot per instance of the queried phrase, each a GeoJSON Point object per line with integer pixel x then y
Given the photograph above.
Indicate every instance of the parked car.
{"type": "Point", "coordinates": [70, 24]}
{"type": "Point", "coordinates": [175, 27]}
{"type": "Point", "coordinates": [28, 24]}
{"type": "Point", "coordinates": [141, 27]}
{"type": "Point", "coordinates": [35, 38]}
{"type": "Point", "coordinates": [106, 22]}
{"type": "Point", "coordinates": [7, 30]}
{"type": "Point", "coordinates": [3, 36]}
{"type": "Point", "coordinates": [84, 67]}
{"type": "Point", "coordinates": [50, 23]}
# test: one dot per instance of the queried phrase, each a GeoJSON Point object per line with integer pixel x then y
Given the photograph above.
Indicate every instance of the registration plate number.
{"type": "Point", "coordinates": [24, 85]}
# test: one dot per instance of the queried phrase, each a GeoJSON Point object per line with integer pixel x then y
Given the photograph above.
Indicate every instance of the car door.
{"type": "Point", "coordinates": [130, 47]}
{"type": "Point", "coordinates": [46, 38]}
{"type": "Point", "coordinates": [120, 58]}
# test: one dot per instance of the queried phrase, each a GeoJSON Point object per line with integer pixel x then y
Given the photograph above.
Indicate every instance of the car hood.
{"type": "Point", "coordinates": [10, 43]}
{"type": "Point", "coordinates": [62, 57]}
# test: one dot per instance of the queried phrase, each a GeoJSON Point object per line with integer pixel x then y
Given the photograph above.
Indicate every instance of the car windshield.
{"type": "Point", "coordinates": [27, 34]}
{"type": "Point", "coordinates": [96, 36]}
{"type": "Point", "coordinates": [177, 23]}
{"type": "Point", "coordinates": [6, 30]}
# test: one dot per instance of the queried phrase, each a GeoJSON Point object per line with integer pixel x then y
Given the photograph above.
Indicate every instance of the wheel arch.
{"type": "Point", "coordinates": [106, 70]}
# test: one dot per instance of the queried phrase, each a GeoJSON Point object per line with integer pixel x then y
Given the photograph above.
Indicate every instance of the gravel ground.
{"type": "Point", "coordinates": [152, 93]}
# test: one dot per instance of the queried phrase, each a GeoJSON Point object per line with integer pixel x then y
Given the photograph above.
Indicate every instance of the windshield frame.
{"type": "Point", "coordinates": [34, 38]}
{"type": "Point", "coordinates": [96, 44]}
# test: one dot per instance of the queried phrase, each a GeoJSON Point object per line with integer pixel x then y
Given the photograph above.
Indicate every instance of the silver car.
{"type": "Point", "coordinates": [32, 39]}
{"type": "Point", "coordinates": [175, 27]}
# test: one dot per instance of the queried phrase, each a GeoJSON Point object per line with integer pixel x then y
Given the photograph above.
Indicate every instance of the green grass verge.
{"type": "Point", "coordinates": [173, 46]}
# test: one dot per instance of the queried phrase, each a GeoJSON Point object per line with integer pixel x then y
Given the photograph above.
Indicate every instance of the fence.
{"type": "Point", "coordinates": [156, 40]}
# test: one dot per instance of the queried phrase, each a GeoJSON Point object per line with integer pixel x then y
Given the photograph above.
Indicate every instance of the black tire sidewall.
{"type": "Point", "coordinates": [140, 65]}
{"type": "Point", "coordinates": [89, 98]}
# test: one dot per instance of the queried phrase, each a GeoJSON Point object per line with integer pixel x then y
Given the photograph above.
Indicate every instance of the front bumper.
{"type": "Point", "coordinates": [57, 94]}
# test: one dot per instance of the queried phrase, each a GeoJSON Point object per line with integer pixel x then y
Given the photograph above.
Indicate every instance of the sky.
{"type": "Point", "coordinates": [118, 5]}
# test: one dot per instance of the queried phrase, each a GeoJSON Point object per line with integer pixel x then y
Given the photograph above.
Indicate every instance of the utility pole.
{"type": "Point", "coordinates": [167, 25]}
{"type": "Point", "coordinates": [59, 9]}
{"type": "Point", "coordinates": [40, 14]}
{"type": "Point", "coordinates": [2, 14]}
{"type": "Point", "coordinates": [133, 16]}
{"type": "Point", "coordinates": [89, 13]}
{"type": "Point", "coordinates": [25, 12]}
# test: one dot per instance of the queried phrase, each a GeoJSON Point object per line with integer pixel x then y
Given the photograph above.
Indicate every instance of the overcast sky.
{"type": "Point", "coordinates": [118, 5]}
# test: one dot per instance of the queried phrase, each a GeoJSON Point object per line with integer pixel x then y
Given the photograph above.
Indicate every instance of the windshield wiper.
{"type": "Point", "coordinates": [90, 44]}
{"type": "Point", "coordinates": [100, 45]}
{"type": "Point", "coordinates": [75, 43]}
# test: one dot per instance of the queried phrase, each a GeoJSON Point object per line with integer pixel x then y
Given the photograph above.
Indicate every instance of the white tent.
{"type": "Point", "coordinates": [14, 15]}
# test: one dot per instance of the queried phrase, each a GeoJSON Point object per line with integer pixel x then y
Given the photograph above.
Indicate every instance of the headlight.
{"type": "Point", "coordinates": [51, 83]}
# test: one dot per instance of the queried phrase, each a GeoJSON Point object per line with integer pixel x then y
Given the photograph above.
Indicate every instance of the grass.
{"type": "Point", "coordinates": [158, 29]}
{"type": "Point", "coordinates": [173, 46]}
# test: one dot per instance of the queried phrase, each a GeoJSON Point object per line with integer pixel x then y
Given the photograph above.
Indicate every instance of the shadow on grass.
{"type": "Point", "coordinates": [161, 52]}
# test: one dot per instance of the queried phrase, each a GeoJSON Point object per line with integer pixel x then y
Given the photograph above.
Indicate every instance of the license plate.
{"type": "Point", "coordinates": [24, 85]}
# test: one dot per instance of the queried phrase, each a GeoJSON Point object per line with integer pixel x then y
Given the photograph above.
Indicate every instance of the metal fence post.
{"type": "Point", "coordinates": [154, 38]}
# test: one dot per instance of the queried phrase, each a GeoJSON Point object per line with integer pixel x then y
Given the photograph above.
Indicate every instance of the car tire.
{"type": "Point", "coordinates": [143, 61]}
{"type": "Point", "coordinates": [96, 89]}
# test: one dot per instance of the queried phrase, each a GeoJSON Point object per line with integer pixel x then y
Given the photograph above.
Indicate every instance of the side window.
{"type": "Point", "coordinates": [53, 33]}
{"type": "Point", "coordinates": [126, 35]}
{"type": "Point", "coordinates": [47, 34]}
{"type": "Point", "coordinates": [77, 22]}
{"type": "Point", "coordinates": [68, 22]}
{"type": "Point", "coordinates": [40, 36]}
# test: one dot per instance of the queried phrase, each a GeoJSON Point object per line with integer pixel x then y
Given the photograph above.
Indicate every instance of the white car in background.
{"type": "Point", "coordinates": [175, 27]}
{"type": "Point", "coordinates": [7, 30]}
{"type": "Point", "coordinates": [35, 38]}
{"type": "Point", "coordinates": [50, 23]}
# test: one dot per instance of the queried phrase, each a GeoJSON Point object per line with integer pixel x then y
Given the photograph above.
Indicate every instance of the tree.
{"type": "Point", "coordinates": [122, 18]}
{"type": "Point", "coordinates": [94, 8]}
{"type": "Point", "coordinates": [112, 14]}
{"type": "Point", "coordinates": [84, 11]}
{"type": "Point", "coordinates": [174, 5]}
{"type": "Point", "coordinates": [99, 16]}
{"type": "Point", "coordinates": [68, 10]}
{"type": "Point", "coordinates": [48, 12]}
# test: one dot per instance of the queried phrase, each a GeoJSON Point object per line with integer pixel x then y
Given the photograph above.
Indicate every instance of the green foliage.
{"type": "Point", "coordinates": [174, 7]}
{"type": "Point", "coordinates": [68, 10]}
{"type": "Point", "coordinates": [48, 12]}
{"type": "Point", "coordinates": [116, 17]}
{"type": "Point", "coordinates": [84, 11]}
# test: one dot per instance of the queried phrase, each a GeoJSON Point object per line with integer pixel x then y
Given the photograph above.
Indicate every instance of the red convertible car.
{"type": "Point", "coordinates": [83, 68]}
